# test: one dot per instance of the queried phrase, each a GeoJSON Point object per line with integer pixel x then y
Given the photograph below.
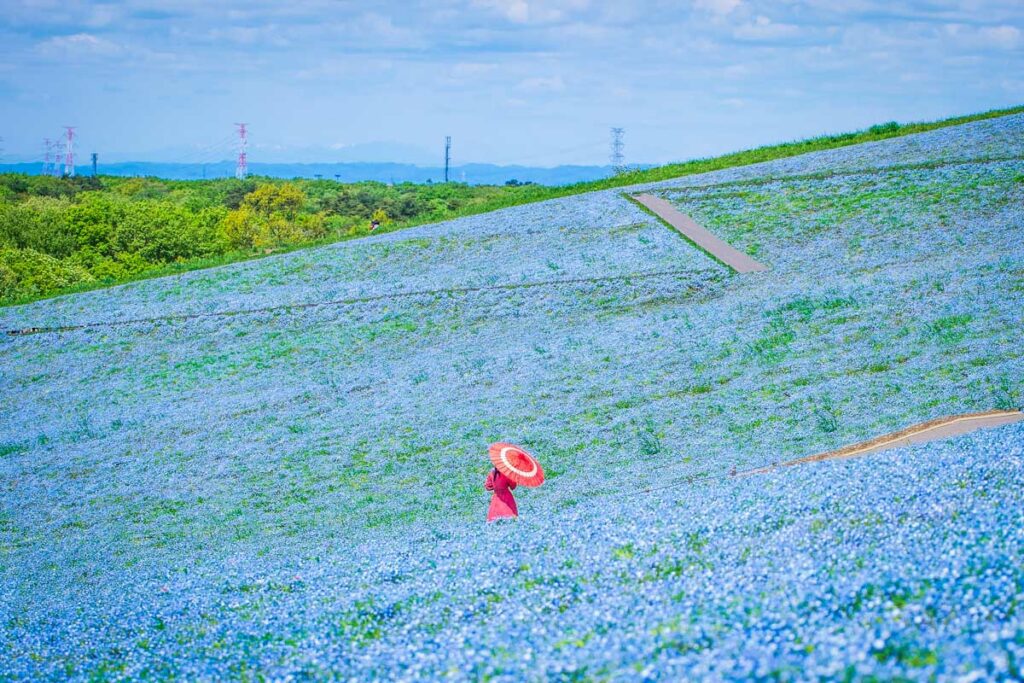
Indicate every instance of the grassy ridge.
{"type": "Point", "coordinates": [331, 217]}
{"type": "Point", "coordinates": [754, 156]}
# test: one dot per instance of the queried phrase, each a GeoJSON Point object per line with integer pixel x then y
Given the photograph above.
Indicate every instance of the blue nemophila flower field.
{"type": "Point", "coordinates": [275, 468]}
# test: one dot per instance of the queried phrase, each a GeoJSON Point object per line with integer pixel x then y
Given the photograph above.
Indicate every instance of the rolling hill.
{"type": "Point", "coordinates": [275, 467]}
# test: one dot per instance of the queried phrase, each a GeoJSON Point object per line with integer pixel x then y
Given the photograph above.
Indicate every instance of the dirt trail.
{"type": "Point", "coordinates": [689, 228]}
{"type": "Point", "coordinates": [932, 430]}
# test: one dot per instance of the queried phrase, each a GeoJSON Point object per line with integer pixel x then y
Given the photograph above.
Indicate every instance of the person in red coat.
{"type": "Point", "coordinates": [502, 502]}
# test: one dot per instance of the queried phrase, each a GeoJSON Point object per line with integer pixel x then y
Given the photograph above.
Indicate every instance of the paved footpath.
{"type": "Point", "coordinates": [932, 430]}
{"type": "Point", "coordinates": [718, 248]}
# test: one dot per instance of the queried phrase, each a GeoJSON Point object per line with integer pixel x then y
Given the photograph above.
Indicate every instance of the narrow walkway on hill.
{"type": "Point", "coordinates": [923, 432]}
{"type": "Point", "coordinates": [717, 248]}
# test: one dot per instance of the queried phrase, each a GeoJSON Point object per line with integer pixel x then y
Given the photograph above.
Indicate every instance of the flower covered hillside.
{"type": "Point", "coordinates": [276, 468]}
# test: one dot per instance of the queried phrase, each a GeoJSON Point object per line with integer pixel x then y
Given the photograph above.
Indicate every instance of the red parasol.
{"type": "Point", "coordinates": [516, 464]}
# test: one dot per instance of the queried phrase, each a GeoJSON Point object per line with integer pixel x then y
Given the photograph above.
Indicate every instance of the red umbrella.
{"type": "Point", "coordinates": [516, 464]}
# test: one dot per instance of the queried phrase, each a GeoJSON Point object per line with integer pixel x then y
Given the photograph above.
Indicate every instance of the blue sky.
{"type": "Point", "coordinates": [537, 82]}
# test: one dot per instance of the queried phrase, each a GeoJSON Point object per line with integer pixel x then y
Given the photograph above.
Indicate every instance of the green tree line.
{"type": "Point", "coordinates": [62, 234]}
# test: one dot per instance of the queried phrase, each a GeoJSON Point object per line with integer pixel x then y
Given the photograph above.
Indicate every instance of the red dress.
{"type": "Point", "coordinates": [502, 502]}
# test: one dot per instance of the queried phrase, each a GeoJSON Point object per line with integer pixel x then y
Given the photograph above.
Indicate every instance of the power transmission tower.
{"type": "Point", "coordinates": [55, 160]}
{"type": "Point", "coordinates": [617, 157]}
{"type": "Point", "coordinates": [242, 167]}
{"type": "Point", "coordinates": [95, 158]}
{"type": "Point", "coordinates": [51, 160]}
{"type": "Point", "coordinates": [447, 155]}
{"type": "Point", "coordinates": [69, 152]}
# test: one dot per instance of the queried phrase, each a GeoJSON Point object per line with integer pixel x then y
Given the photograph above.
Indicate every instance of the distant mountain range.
{"type": "Point", "coordinates": [475, 174]}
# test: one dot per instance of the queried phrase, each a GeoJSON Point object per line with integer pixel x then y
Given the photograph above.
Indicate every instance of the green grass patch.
{"type": "Point", "coordinates": [949, 329]}
{"type": "Point", "coordinates": [771, 348]}
{"type": "Point", "coordinates": [12, 447]}
{"type": "Point", "coordinates": [806, 307]}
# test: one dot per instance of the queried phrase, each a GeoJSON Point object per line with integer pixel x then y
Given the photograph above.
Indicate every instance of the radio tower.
{"type": "Point", "coordinates": [617, 158]}
{"type": "Point", "coordinates": [69, 152]}
{"type": "Point", "coordinates": [242, 168]}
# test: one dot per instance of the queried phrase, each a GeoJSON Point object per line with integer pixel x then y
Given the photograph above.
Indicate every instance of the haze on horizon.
{"type": "Point", "coordinates": [527, 82]}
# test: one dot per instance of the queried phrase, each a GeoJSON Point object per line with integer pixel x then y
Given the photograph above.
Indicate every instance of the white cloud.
{"type": "Point", "coordinates": [382, 29]}
{"type": "Point", "coordinates": [517, 11]}
{"type": "Point", "coordinates": [586, 31]}
{"type": "Point", "coordinates": [863, 38]}
{"type": "Point", "coordinates": [718, 7]}
{"type": "Point", "coordinates": [469, 74]}
{"type": "Point", "coordinates": [963, 60]}
{"type": "Point", "coordinates": [78, 44]}
{"type": "Point", "coordinates": [737, 102]}
{"type": "Point", "coordinates": [345, 70]}
{"type": "Point", "coordinates": [467, 70]}
{"type": "Point", "coordinates": [102, 15]}
{"type": "Point", "coordinates": [533, 11]}
{"type": "Point", "coordinates": [1004, 37]}
{"type": "Point", "coordinates": [763, 28]}
{"type": "Point", "coordinates": [736, 71]}
{"type": "Point", "coordinates": [249, 35]}
{"type": "Point", "coordinates": [1014, 86]}
{"type": "Point", "coordinates": [703, 44]}
{"type": "Point", "coordinates": [1007, 37]}
{"type": "Point", "coordinates": [543, 84]}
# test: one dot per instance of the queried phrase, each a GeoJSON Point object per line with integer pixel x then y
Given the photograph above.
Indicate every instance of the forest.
{"type": "Point", "coordinates": [60, 234]}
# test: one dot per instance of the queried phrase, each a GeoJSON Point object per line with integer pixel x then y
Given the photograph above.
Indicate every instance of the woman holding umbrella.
{"type": "Point", "coordinates": [503, 503]}
{"type": "Point", "coordinates": [512, 466]}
